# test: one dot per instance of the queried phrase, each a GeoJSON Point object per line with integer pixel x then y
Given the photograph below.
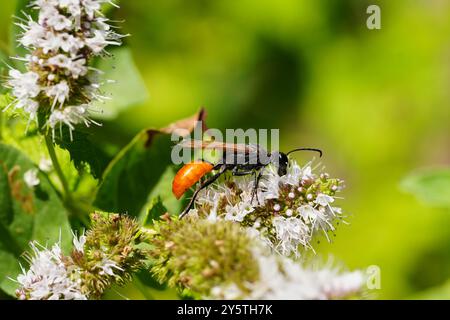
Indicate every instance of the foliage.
{"type": "Point", "coordinates": [128, 86]}
{"type": "Point", "coordinates": [83, 152]}
{"type": "Point", "coordinates": [430, 186]}
{"type": "Point", "coordinates": [372, 100]}
{"type": "Point", "coordinates": [27, 214]}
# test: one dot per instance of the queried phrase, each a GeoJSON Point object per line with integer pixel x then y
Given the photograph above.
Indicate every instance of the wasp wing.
{"type": "Point", "coordinates": [217, 145]}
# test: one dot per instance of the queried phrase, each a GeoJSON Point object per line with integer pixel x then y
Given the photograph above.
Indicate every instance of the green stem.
{"type": "Point", "coordinates": [51, 151]}
{"type": "Point", "coordinates": [77, 207]}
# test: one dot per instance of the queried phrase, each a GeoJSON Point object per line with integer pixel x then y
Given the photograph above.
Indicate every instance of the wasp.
{"type": "Point", "coordinates": [239, 159]}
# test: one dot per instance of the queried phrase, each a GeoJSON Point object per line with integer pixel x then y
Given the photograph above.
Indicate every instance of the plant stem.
{"type": "Point", "coordinates": [51, 151]}
{"type": "Point", "coordinates": [77, 207]}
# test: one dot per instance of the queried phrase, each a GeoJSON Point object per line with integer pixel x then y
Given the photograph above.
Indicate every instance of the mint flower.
{"type": "Point", "coordinates": [287, 212]}
{"type": "Point", "coordinates": [50, 276]}
{"type": "Point", "coordinates": [108, 253]}
{"type": "Point", "coordinates": [283, 279]}
{"type": "Point", "coordinates": [222, 260]}
{"type": "Point", "coordinates": [280, 278]}
{"type": "Point", "coordinates": [59, 85]}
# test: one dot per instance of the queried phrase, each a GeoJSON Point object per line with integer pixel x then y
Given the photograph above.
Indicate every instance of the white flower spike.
{"type": "Point", "coordinates": [58, 84]}
{"type": "Point", "coordinates": [48, 278]}
{"type": "Point", "coordinates": [291, 209]}
{"type": "Point", "coordinates": [281, 278]}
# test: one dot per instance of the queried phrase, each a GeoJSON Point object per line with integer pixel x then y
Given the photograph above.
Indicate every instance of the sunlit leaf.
{"type": "Point", "coordinates": [83, 152]}
{"type": "Point", "coordinates": [133, 174]}
{"type": "Point", "coordinates": [163, 192]}
{"type": "Point", "coordinates": [137, 170]}
{"type": "Point", "coordinates": [431, 186]}
{"type": "Point", "coordinates": [79, 162]}
{"type": "Point", "coordinates": [127, 87]}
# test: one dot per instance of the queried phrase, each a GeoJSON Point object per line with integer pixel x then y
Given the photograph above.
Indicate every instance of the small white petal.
{"type": "Point", "coordinates": [45, 165]}
{"type": "Point", "coordinates": [79, 242]}
{"type": "Point", "coordinates": [31, 178]}
{"type": "Point", "coordinates": [47, 277]}
{"type": "Point", "coordinates": [323, 199]}
{"type": "Point", "coordinates": [281, 278]}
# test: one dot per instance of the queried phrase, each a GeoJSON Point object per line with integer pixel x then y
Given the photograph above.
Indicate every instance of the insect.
{"type": "Point", "coordinates": [239, 159]}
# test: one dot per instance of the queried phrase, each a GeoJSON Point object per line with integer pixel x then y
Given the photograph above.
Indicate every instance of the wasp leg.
{"type": "Point", "coordinates": [238, 173]}
{"type": "Point", "coordinates": [255, 190]}
{"type": "Point", "coordinates": [202, 186]}
{"type": "Point", "coordinates": [235, 172]}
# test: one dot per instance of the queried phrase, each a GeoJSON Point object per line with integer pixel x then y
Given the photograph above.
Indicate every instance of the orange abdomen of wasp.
{"type": "Point", "coordinates": [189, 175]}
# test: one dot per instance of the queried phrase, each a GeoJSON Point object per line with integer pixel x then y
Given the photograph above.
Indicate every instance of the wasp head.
{"type": "Point", "coordinates": [281, 161]}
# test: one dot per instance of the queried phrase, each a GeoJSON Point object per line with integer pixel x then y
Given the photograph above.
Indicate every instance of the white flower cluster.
{"type": "Point", "coordinates": [287, 211]}
{"type": "Point", "coordinates": [106, 254]}
{"type": "Point", "coordinates": [281, 278]}
{"type": "Point", "coordinates": [53, 276]}
{"type": "Point", "coordinates": [58, 82]}
{"type": "Point", "coordinates": [105, 265]}
{"type": "Point", "coordinates": [48, 277]}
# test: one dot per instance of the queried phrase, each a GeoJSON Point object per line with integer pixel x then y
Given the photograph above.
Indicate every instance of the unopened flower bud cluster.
{"type": "Point", "coordinates": [195, 255]}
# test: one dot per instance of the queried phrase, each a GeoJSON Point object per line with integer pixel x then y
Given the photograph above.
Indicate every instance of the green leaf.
{"type": "Point", "coordinates": [32, 144]}
{"type": "Point", "coordinates": [83, 152]}
{"type": "Point", "coordinates": [431, 186]}
{"type": "Point", "coordinates": [31, 214]}
{"type": "Point", "coordinates": [131, 178]}
{"type": "Point", "coordinates": [436, 293]}
{"type": "Point", "coordinates": [155, 211]}
{"type": "Point", "coordinates": [142, 287]}
{"type": "Point", "coordinates": [128, 88]}
{"type": "Point", "coordinates": [163, 192]}
{"type": "Point", "coordinates": [151, 287]}
{"type": "Point", "coordinates": [6, 204]}
{"type": "Point", "coordinates": [134, 173]}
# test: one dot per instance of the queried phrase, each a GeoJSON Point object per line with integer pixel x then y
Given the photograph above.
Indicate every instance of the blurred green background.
{"type": "Point", "coordinates": [376, 101]}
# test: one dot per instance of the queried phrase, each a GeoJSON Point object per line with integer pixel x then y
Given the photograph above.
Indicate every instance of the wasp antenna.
{"type": "Point", "coordinates": [307, 149]}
